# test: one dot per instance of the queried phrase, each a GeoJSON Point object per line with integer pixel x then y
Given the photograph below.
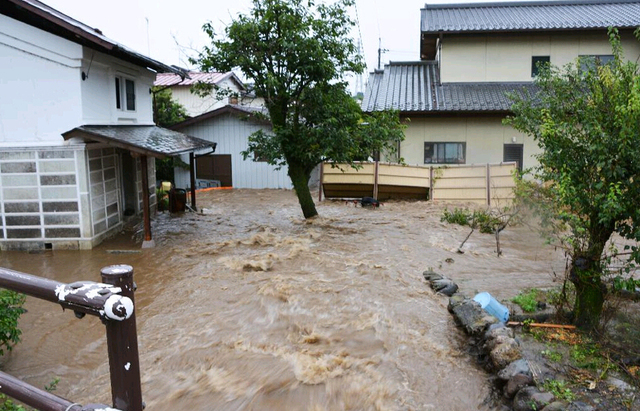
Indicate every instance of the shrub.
{"type": "Point", "coordinates": [10, 311]}
{"type": "Point", "coordinates": [527, 301]}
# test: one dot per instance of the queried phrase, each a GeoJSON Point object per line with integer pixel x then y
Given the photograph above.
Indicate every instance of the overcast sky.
{"type": "Point", "coordinates": [175, 27]}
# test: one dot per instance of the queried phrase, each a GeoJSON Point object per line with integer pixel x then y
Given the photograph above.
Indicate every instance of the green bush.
{"type": "Point", "coordinates": [10, 311]}
{"type": "Point", "coordinates": [480, 219]}
{"type": "Point", "coordinates": [8, 405]}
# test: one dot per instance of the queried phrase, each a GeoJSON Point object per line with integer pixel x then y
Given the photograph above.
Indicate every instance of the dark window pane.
{"type": "Point", "coordinates": [118, 93]}
{"type": "Point", "coordinates": [537, 62]}
{"type": "Point", "coordinates": [131, 95]}
{"type": "Point", "coordinates": [444, 153]}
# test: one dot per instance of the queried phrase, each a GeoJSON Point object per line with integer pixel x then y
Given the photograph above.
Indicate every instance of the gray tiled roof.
{"type": "Point", "coordinates": [526, 15]}
{"type": "Point", "coordinates": [413, 87]}
{"type": "Point", "coordinates": [150, 140]}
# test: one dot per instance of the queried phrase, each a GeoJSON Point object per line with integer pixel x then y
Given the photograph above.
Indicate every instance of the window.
{"type": "Point", "coordinates": [590, 62]}
{"type": "Point", "coordinates": [125, 94]}
{"type": "Point", "coordinates": [444, 153]}
{"type": "Point", "coordinates": [537, 63]}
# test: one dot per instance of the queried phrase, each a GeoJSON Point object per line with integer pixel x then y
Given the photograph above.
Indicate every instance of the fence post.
{"type": "Point", "coordinates": [431, 183]}
{"type": "Point", "coordinates": [488, 184]}
{"type": "Point", "coordinates": [122, 345]}
{"type": "Point", "coordinates": [320, 182]}
{"type": "Point", "coordinates": [375, 180]}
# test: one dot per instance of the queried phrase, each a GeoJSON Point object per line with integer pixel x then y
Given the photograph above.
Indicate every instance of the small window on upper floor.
{"type": "Point", "coordinates": [125, 94]}
{"type": "Point", "coordinates": [537, 63]}
{"type": "Point", "coordinates": [590, 62]}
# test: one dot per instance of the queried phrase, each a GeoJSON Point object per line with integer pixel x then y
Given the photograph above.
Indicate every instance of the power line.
{"type": "Point", "coordinates": [359, 79]}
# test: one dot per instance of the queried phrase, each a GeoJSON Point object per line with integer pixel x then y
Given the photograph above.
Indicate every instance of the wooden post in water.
{"type": "Point", "coordinates": [122, 345]}
{"type": "Point", "coordinates": [146, 210]}
{"type": "Point", "coordinates": [192, 176]}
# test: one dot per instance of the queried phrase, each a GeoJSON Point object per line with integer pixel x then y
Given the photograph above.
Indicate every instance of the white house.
{"type": "Point", "coordinates": [76, 130]}
{"type": "Point", "coordinates": [230, 126]}
{"type": "Point", "coordinates": [227, 119]}
{"type": "Point", "coordinates": [234, 91]}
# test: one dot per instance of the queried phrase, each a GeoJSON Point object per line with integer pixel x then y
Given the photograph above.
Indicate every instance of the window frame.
{"type": "Point", "coordinates": [434, 149]}
{"type": "Point", "coordinates": [591, 61]}
{"type": "Point", "coordinates": [535, 60]}
{"type": "Point", "coordinates": [122, 99]}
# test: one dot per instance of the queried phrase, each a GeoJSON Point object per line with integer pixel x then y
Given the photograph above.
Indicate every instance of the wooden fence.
{"type": "Point", "coordinates": [490, 184]}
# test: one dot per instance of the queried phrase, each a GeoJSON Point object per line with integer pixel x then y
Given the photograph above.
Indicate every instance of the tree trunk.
{"type": "Point", "coordinates": [300, 179]}
{"type": "Point", "coordinates": [586, 276]}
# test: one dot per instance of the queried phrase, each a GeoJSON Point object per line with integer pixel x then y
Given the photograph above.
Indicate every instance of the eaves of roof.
{"type": "Point", "coordinates": [235, 109]}
{"type": "Point", "coordinates": [43, 17]}
{"type": "Point", "coordinates": [413, 87]}
{"type": "Point", "coordinates": [530, 16]}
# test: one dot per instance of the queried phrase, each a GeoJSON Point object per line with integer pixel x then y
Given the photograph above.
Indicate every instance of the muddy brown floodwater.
{"type": "Point", "coordinates": [250, 307]}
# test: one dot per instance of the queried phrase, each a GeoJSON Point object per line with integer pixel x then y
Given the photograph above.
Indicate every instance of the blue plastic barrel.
{"type": "Point", "coordinates": [492, 306]}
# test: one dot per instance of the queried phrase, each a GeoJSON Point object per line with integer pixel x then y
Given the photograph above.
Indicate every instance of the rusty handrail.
{"type": "Point", "coordinates": [113, 302]}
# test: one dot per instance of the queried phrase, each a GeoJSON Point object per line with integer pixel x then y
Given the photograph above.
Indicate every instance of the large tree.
{"type": "Point", "coordinates": [297, 54]}
{"type": "Point", "coordinates": [586, 119]}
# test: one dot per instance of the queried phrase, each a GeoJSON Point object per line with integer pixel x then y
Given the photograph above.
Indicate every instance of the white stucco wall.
{"type": "Point", "coordinates": [39, 85]}
{"type": "Point", "coordinates": [231, 134]}
{"type": "Point", "coordinates": [507, 56]}
{"type": "Point", "coordinates": [99, 95]}
{"type": "Point", "coordinates": [485, 138]}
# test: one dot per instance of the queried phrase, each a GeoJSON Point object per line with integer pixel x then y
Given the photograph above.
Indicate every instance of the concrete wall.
{"type": "Point", "coordinates": [485, 138]}
{"type": "Point", "coordinates": [503, 57]}
{"type": "Point", "coordinates": [231, 133]}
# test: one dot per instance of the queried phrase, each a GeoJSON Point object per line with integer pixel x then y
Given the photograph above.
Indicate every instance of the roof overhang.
{"type": "Point", "coordinates": [149, 141]}
{"type": "Point", "coordinates": [43, 17]}
{"type": "Point", "coordinates": [240, 111]}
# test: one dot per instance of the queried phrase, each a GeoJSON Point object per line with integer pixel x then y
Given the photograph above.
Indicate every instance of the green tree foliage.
{"type": "Point", "coordinates": [10, 311]}
{"type": "Point", "coordinates": [297, 53]}
{"type": "Point", "coordinates": [167, 112]}
{"type": "Point", "coordinates": [587, 123]}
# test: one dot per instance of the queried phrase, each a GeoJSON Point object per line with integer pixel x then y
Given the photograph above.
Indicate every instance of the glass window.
{"type": "Point", "coordinates": [444, 153]}
{"type": "Point", "coordinates": [590, 62]}
{"type": "Point", "coordinates": [118, 106]}
{"type": "Point", "coordinates": [537, 63]}
{"type": "Point", "coordinates": [131, 95]}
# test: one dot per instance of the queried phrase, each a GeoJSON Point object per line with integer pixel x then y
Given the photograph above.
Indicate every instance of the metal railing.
{"type": "Point", "coordinates": [113, 302]}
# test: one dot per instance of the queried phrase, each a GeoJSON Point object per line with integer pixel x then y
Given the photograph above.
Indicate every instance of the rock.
{"type": "Point", "coordinates": [505, 353]}
{"type": "Point", "coordinates": [619, 384]}
{"type": "Point", "coordinates": [516, 367]}
{"type": "Point", "coordinates": [492, 343]}
{"type": "Point", "coordinates": [472, 317]}
{"type": "Point", "coordinates": [455, 300]}
{"type": "Point", "coordinates": [444, 286]}
{"type": "Point", "coordinates": [580, 406]}
{"type": "Point", "coordinates": [496, 330]}
{"type": "Point", "coordinates": [516, 383]}
{"type": "Point", "coordinates": [430, 275]}
{"type": "Point", "coordinates": [556, 406]}
{"type": "Point", "coordinates": [530, 399]}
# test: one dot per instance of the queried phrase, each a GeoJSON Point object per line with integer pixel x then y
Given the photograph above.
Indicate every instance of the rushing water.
{"type": "Point", "coordinates": [247, 306]}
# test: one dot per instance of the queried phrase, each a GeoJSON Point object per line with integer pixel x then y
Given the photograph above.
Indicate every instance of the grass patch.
{"type": "Point", "coordinates": [483, 220]}
{"type": "Point", "coordinates": [528, 301]}
{"type": "Point", "coordinates": [552, 355]}
{"type": "Point", "coordinates": [559, 389]}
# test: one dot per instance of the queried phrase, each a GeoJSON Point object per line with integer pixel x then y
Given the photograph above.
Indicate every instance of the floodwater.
{"type": "Point", "coordinates": [247, 306]}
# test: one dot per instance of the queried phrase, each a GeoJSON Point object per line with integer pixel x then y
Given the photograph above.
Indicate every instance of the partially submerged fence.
{"type": "Point", "coordinates": [490, 184]}
{"type": "Point", "coordinates": [113, 302]}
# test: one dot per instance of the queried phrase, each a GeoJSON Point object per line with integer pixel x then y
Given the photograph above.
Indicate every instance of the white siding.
{"type": "Point", "coordinates": [231, 134]}
{"type": "Point", "coordinates": [39, 85]}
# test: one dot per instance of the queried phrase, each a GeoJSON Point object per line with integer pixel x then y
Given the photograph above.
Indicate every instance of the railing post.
{"type": "Point", "coordinates": [122, 345]}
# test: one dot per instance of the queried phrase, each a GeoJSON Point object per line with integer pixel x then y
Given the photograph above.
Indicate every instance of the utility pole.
{"type": "Point", "coordinates": [380, 51]}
